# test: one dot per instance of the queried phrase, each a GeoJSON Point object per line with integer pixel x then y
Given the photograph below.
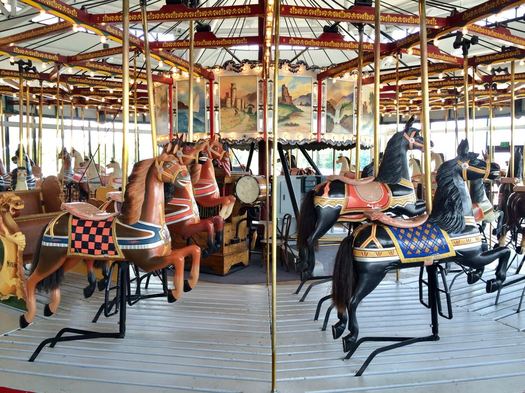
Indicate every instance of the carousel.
{"type": "Point", "coordinates": [262, 196]}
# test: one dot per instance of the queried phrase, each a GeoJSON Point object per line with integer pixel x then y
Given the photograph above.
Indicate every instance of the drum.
{"type": "Point", "coordinates": [250, 189]}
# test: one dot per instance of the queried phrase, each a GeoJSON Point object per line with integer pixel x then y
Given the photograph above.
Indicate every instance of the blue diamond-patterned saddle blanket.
{"type": "Point", "coordinates": [427, 241]}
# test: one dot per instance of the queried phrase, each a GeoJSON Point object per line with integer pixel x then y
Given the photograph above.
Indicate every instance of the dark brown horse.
{"type": "Point", "coordinates": [138, 235]}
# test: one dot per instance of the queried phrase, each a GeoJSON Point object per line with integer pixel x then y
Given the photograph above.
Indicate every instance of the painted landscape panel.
{"type": "Point", "coordinates": [295, 104]}
{"type": "Point", "coordinates": [199, 106]}
{"type": "Point", "coordinates": [367, 110]}
{"type": "Point", "coordinates": [238, 102]}
{"type": "Point", "coordinates": [340, 107]}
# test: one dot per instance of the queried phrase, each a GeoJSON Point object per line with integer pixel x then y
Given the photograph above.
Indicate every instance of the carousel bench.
{"type": "Point", "coordinates": [86, 211]}
{"type": "Point", "coordinates": [41, 205]}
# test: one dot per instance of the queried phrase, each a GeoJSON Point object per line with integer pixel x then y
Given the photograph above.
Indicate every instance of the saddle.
{"type": "Point", "coordinates": [508, 180]}
{"type": "Point", "coordinates": [519, 189]}
{"type": "Point", "coordinates": [347, 180]}
{"type": "Point", "coordinates": [376, 215]}
{"type": "Point", "coordinates": [86, 211]}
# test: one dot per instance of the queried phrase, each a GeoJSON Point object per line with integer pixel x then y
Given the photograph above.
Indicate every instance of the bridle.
{"type": "Point", "coordinates": [161, 172]}
{"type": "Point", "coordinates": [465, 167]}
{"type": "Point", "coordinates": [412, 140]}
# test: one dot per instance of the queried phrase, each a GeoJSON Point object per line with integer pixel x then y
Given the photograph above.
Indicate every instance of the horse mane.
{"type": "Point", "coordinates": [393, 160]}
{"type": "Point", "coordinates": [447, 211]}
{"type": "Point", "coordinates": [134, 196]}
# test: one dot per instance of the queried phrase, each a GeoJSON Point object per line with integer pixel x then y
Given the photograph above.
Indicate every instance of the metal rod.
{"type": "Point", "coordinates": [125, 91]}
{"type": "Point", "coordinates": [212, 109]}
{"type": "Point", "coordinates": [190, 81]}
{"type": "Point", "coordinates": [425, 109]}
{"type": "Point", "coordinates": [170, 109]}
{"type": "Point", "coordinates": [465, 94]}
{"type": "Point", "coordinates": [473, 107]}
{"type": "Point", "coordinates": [275, 175]}
{"type": "Point", "coordinates": [358, 103]}
{"type": "Point", "coordinates": [491, 126]}
{"type": "Point", "coordinates": [397, 92]}
{"type": "Point", "coordinates": [512, 115]}
{"type": "Point", "coordinates": [135, 107]}
{"type": "Point", "coordinates": [149, 77]}
{"type": "Point", "coordinates": [377, 82]}
{"type": "Point", "coordinates": [28, 124]}
{"type": "Point", "coordinates": [40, 122]}
{"type": "Point", "coordinates": [2, 130]}
{"type": "Point", "coordinates": [319, 111]}
{"type": "Point", "coordinates": [20, 119]}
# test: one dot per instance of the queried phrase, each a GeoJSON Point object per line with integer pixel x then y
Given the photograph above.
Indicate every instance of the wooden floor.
{"type": "Point", "coordinates": [216, 339]}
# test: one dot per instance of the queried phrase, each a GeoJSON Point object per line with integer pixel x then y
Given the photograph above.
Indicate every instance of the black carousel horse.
{"type": "Point", "coordinates": [341, 199]}
{"type": "Point", "coordinates": [506, 188]}
{"type": "Point", "coordinates": [449, 233]}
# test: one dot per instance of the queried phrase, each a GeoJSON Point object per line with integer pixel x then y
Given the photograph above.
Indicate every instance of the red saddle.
{"type": "Point", "coordinates": [366, 196]}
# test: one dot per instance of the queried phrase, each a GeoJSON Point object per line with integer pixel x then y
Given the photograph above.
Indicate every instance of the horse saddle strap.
{"type": "Point", "coordinates": [353, 182]}
{"type": "Point", "coordinates": [86, 211]}
{"type": "Point", "coordinates": [376, 215]}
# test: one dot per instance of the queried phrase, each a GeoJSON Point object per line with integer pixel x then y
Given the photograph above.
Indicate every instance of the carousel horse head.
{"type": "Point", "coordinates": [63, 154]}
{"type": "Point", "coordinates": [10, 203]}
{"type": "Point", "coordinates": [220, 154]}
{"type": "Point", "coordinates": [474, 168]}
{"type": "Point", "coordinates": [167, 164]}
{"type": "Point", "coordinates": [412, 136]}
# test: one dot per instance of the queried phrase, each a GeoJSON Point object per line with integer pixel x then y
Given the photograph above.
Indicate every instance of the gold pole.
{"type": "Point", "coordinates": [465, 88]}
{"type": "Point", "coordinates": [358, 103]}
{"type": "Point", "coordinates": [57, 118]}
{"type": "Point", "coordinates": [149, 77]}
{"type": "Point", "coordinates": [397, 92]}
{"type": "Point", "coordinates": [491, 124]}
{"type": "Point", "coordinates": [135, 108]}
{"type": "Point", "coordinates": [277, 12]}
{"type": "Point", "coordinates": [473, 107]}
{"type": "Point", "coordinates": [98, 136]}
{"type": "Point", "coordinates": [40, 122]}
{"type": "Point", "coordinates": [125, 91]}
{"type": "Point", "coordinates": [72, 115]}
{"type": "Point", "coordinates": [377, 81]}
{"type": "Point", "coordinates": [28, 123]}
{"type": "Point", "coordinates": [20, 122]}
{"type": "Point", "coordinates": [190, 82]}
{"type": "Point", "coordinates": [512, 115]}
{"type": "Point", "coordinates": [2, 130]}
{"type": "Point", "coordinates": [425, 110]}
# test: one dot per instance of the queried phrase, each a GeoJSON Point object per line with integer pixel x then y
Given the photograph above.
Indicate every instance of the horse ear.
{"type": "Point", "coordinates": [463, 148]}
{"type": "Point", "coordinates": [409, 123]}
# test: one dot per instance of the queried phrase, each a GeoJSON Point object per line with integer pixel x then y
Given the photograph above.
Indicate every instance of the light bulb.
{"type": "Point", "coordinates": [75, 27]}
{"type": "Point", "coordinates": [103, 39]}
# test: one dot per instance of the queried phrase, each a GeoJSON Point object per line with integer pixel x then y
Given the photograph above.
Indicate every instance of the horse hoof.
{"type": "Point", "coordinates": [89, 290]}
{"type": "Point", "coordinates": [102, 285]}
{"type": "Point", "coordinates": [519, 250]}
{"type": "Point", "coordinates": [47, 311]}
{"type": "Point", "coordinates": [171, 298]}
{"type": "Point", "coordinates": [493, 285]}
{"type": "Point", "coordinates": [474, 277]}
{"type": "Point", "coordinates": [348, 343]}
{"type": "Point", "coordinates": [305, 275]}
{"type": "Point", "coordinates": [23, 322]}
{"type": "Point", "coordinates": [337, 330]}
{"type": "Point", "coordinates": [187, 286]}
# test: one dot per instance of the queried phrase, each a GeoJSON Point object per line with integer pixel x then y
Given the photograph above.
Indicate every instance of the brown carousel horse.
{"type": "Point", "coordinates": [138, 235]}
{"type": "Point", "coordinates": [344, 199]}
{"type": "Point", "coordinates": [199, 158]}
{"type": "Point", "coordinates": [386, 244]}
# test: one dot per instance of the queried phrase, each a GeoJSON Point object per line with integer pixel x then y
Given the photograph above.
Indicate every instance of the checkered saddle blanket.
{"type": "Point", "coordinates": [94, 238]}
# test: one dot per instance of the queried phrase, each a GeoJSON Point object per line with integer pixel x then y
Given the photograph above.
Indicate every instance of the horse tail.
{"type": "Point", "coordinates": [307, 220]}
{"type": "Point", "coordinates": [53, 280]}
{"type": "Point", "coordinates": [344, 276]}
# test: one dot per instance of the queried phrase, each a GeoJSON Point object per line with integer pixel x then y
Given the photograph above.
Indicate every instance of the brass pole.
{"type": "Point", "coordinates": [72, 114]}
{"type": "Point", "coordinates": [98, 136]}
{"type": "Point", "coordinates": [275, 174]}
{"type": "Point", "coordinates": [2, 130]}
{"type": "Point", "coordinates": [473, 107]}
{"type": "Point", "coordinates": [149, 77]}
{"type": "Point", "coordinates": [20, 121]}
{"type": "Point", "coordinates": [425, 109]}
{"type": "Point", "coordinates": [190, 82]}
{"type": "Point", "coordinates": [28, 123]}
{"type": "Point", "coordinates": [358, 103]}
{"type": "Point", "coordinates": [40, 122]}
{"type": "Point", "coordinates": [377, 81]}
{"type": "Point", "coordinates": [135, 108]}
{"type": "Point", "coordinates": [465, 95]}
{"type": "Point", "coordinates": [57, 118]}
{"type": "Point", "coordinates": [397, 92]}
{"type": "Point", "coordinates": [491, 125]}
{"type": "Point", "coordinates": [512, 115]}
{"type": "Point", "coordinates": [125, 91]}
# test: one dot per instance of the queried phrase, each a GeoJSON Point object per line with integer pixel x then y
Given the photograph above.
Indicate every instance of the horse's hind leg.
{"type": "Point", "coordinates": [92, 280]}
{"type": "Point", "coordinates": [368, 277]}
{"type": "Point", "coordinates": [478, 260]}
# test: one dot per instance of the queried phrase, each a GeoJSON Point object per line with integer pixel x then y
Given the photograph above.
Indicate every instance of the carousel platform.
{"type": "Point", "coordinates": [216, 339]}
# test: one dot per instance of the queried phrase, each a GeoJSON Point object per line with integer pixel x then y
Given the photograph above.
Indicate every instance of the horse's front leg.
{"type": "Point", "coordinates": [218, 226]}
{"type": "Point", "coordinates": [478, 260]}
{"type": "Point", "coordinates": [92, 279]}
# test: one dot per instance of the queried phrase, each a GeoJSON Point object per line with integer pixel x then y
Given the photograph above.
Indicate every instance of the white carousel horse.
{"type": "Point", "coordinates": [345, 167]}
{"type": "Point", "coordinates": [115, 176]}
{"type": "Point", "coordinates": [79, 161]}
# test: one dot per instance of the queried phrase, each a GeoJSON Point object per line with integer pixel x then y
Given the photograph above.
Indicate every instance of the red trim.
{"type": "Point", "coordinates": [319, 107]}
{"type": "Point", "coordinates": [212, 110]}
{"type": "Point", "coordinates": [9, 390]}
